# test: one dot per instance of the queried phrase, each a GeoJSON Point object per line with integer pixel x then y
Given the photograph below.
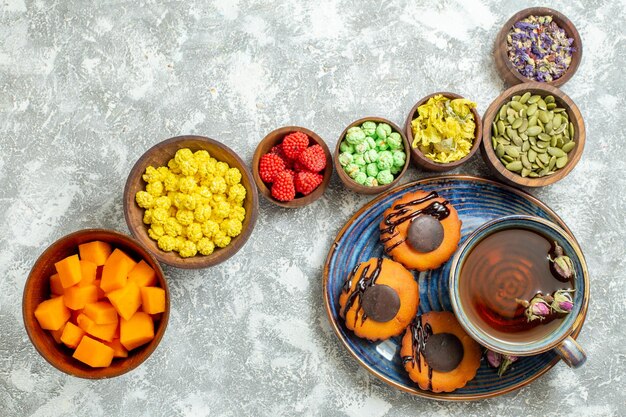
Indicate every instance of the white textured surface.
{"type": "Point", "coordinates": [86, 88]}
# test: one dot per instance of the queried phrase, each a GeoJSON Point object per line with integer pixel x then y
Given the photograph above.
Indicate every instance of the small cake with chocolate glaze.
{"type": "Point", "coordinates": [438, 354]}
{"type": "Point", "coordinates": [420, 230]}
{"type": "Point", "coordinates": [379, 299]}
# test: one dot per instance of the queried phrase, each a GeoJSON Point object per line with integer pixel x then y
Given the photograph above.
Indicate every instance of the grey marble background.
{"type": "Point", "coordinates": [87, 87]}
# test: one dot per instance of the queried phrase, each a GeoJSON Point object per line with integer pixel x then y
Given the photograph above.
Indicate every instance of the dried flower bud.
{"type": "Point", "coordinates": [537, 308]}
{"type": "Point", "coordinates": [494, 359]}
{"type": "Point", "coordinates": [563, 265]}
{"type": "Point", "coordinates": [563, 302]}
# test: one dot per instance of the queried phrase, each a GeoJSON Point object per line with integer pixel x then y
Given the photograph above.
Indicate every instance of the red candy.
{"type": "Point", "coordinates": [293, 167]}
{"type": "Point", "coordinates": [307, 181]}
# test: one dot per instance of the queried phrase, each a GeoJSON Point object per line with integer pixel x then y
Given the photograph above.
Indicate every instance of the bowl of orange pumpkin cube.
{"type": "Point", "coordinates": [96, 304]}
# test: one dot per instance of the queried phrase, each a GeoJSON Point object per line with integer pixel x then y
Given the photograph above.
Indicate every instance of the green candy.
{"type": "Point", "coordinates": [369, 128]}
{"type": "Point", "coordinates": [394, 141]}
{"type": "Point", "coordinates": [361, 148]}
{"type": "Point", "coordinates": [381, 132]}
{"type": "Point", "coordinates": [346, 147]}
{"type": "Point", "coordinates": [399, 158]}
{"type": "Point", "coordinates": [371, 156]}
{"type": "Point", "coordinates": [360, 178]}
{"type": "Point", "coordinates": [371, 182]}
{"type": "Point", "coordinates": [384, 177]}
{"type": "Point", "coordinates": [345, 159]}
{"type": "Point", "coordinates": [385, 161]}
{"type": "Point", "coordinates": [395, 169]}
{"type": "Point", "coordinates": [359, 160]}
{"type": "Point", "coordinates": [371, 142]}
{"type": "Point", "coordinates": [355, 135]}
{"type": "Point", "coordinates": [351, 170]}
{"type": "Point", "coordinates": [372, 169]}
{"type": "Point", "coordinates": [382, 145]}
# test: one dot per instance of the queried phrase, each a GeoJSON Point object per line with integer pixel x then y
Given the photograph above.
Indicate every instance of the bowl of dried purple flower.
{"type": "Point", "coordinates": [538, 44]}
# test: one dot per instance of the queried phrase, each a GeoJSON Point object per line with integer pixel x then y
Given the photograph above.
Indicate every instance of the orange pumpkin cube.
{"type": "Point", "coordinates": [115, 271]}
{"type": "Point", "coordinates": [93, 353]}
{"type": "Point", "coordinates": [96, 252]}
{"type": "Point", "coordinates": [142, 275]}
{"type": "Point", "coordinates": [88, 273]}
{"type": "Point", "coordinates": [101, 331]}
{"type": "Point", "coordinates": [56, 288]}
{"type": "Point", "coordinates": [52, 314]}
{"type": "Point", "coordinates": [77, 297]}
{"type": "Point", "coordinates": [119, 351]}
{"type": "Point", "coordinates": [101, 312]}
{"type": "Point", "coordinates": [137, 331]}
{"type": "Point", "coordinates": [126, 300]}
{"type": "Point", "coordinates": [153, 300]}
{"type": "Point", "coordinates": [69, 271]}
{"type": "Point", "coordinates": [72, 335]}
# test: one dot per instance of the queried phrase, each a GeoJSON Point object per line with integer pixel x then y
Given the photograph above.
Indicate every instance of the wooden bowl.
{"type": "Point", "coordinates": [364, 189]}
{"type": "Point", "coordinates": [37, 289]}
{"type": "Point", "coordinates": [505, 68]}
{"type": "Point", "coordinates": [274, 138]}
{"type": "Point", "coordinates": [563, 100]}
{"type": "Point", "coordinates": [158, 156]}
{"type": "Point", "coordinates": [418, 157]}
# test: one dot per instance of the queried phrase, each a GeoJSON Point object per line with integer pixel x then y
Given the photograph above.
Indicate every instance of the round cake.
{"type": "Point", "coordinates": [379, 299]}
{"type": "Point", "coordinates": [420, 230]}
{"type": "Point", "coordinates": [437, 353]}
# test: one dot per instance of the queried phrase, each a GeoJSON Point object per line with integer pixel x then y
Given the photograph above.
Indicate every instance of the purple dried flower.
{"type": "Point", "coordinates": [536, 309]}
{"type": "Point", "coordinates": [563, 302]}
{"type": "Point", "coordinates": [494, 358]}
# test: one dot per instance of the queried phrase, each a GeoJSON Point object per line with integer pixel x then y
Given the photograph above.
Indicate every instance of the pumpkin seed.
{"type": "Point", "coordinates": [568, 146]}
{"type": "Point", "coordinates": [532, 109]}
{"type": "Point", "coordinates": [556, 152]}
{"type": "Point", "coordinates": [516, 105]}
{"type": "Point", "coordinates": [532, 155]}
{"type": "Point", "coordinates": [533, 175]}
{"type": "Point", "coordinates": [532, 121]}
{"type": "Point", "coordinates": [571, 130]}
{"type": "Point", "coordinates": [515, 166]}
{"type": "Point", "coordinates": [501, 127]}
{"type": "Point", "coordinates": [512, 151]}
{"type": "Point", "coordinates": [494, 129]}
{"type": "Point", "coordinates": [525, 172]}
{"type": "Point", "coordinates": [541, 104]}
{"type": "Point", "coordinates": [523, 126]}
{"type": "Point", "coordinates": [549, 99]}
{"type": "Point", "coordinates": [552, 163]}
{"type": "Point", "coordinates": [553, 141]}
{"type": "Point", "coordinates": [508, 158]}
{"type": "Point", "coordinates": [533, 131]}
{"type": "Point", "coordinates": [526, 162]}
{"type": "Point", "coordinates": [544, 137]}
{"type": "Point", "coordinates": [517, 123]}
{"type": "Point", "coordinates": [525, 146]}
{"type": "Point", "coordinates": [534, 99]}
{"type": "Point", "coordinates": [525, 97]}
{"type": "Point", "coordinates": [543, 116]}
{"type": "Point", "coordinates": [516, 139]}
{"type": "Point", "coordinates": [561, 162]}
{"type": "Point", "coordinates": [516, 98]}
{"type": "Point", "coordinates": [502, 113]}
{"type": "Point", "coordinates": [544, 158]}
{"type": "Point", "coordinates": [550, 106]}
{"type": "Point", "coordinates": [500, 150]}
{"type": "Point", "coordinates": [494, 142]}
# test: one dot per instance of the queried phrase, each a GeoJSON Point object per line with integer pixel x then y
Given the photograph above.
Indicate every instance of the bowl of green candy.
{"type": "Point", "coordinates": [371, 155]}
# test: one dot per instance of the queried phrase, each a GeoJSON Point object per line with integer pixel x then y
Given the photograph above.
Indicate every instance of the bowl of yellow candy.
{"type": "Point", "coordinates": [191, 201]}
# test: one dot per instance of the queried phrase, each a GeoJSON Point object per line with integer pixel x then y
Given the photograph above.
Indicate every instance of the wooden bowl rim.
{"type": "Point", "coordinates": [579, 135]}
{"type": "Point", "coordinates": [426, 163]}
{"type": "Point", "coordinates": [198, 261]}
{"type": "Point", "coordinates": [69, 367]}
{"type": "Point", "coordinates": [363, 189]}
{"type": "Point", "coordinates": [273, 137]}
{"type": "Point", "coordinates": [562, 20]}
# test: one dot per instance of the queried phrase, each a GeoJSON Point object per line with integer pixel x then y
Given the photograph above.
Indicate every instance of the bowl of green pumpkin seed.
{"type": "Point", "coordinates": [533, 135]}
{"type": "Point", "coordinates": [371, 156]}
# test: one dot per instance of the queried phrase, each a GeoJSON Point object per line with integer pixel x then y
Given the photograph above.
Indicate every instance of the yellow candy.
{"type": "Point", "coordinates": [232, 176]}
{"type": "Point", "coordinates": [144, 199]}
{"type": "Point", "coordinates": [237, 213]}
{"type": "Point", "coordinates": [202, 213]}
{"type": "Point", "coordinates": [231, 227]}
{"type": "Point", "coordinates": [187, 249]}
{"type": "Point", "coordinates": [217, 185]}
{"type": "Point", "coordinates": [237, 193]}
{"type": "Point", "coordinates": [152, 175]}
{"type": "Point", "coordinates": [194, 232]}
{"type": "Point", "coordinates": [187, 185]}
{"type": "Point", "coordinates": [220, 239]}
{"type": "Point", "coordinates": [159, 215]}
{"type": "Point", "coordinates": [172, 227]}
{"type": "Point", "coordinates": [221, 210]}
{"type": "Point", "coordinates": [162, 202]}
{"type": "Point", "coordinates": [205, 246]}
{"type": "Point", "coordinates": [155, 188]}
{"type": "Point", "coordinates": [147, 217]}
{"type": "Point", "coordinates": [184, 217]}
{"type": "Point", "coordinates": [221, 168]}
{"type": "Point", "coordinates": [170, 181]}
{"type": "Point", "coordinates": [167, 243]}
{"type": "Point", "coordinates": [209, 228]}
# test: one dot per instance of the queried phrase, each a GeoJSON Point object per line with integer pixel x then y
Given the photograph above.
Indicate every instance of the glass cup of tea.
{"type": "Point", "coordinates": [497, 275]}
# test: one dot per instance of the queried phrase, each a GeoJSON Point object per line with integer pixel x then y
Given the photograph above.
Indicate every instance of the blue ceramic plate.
{"type": "Point", "coordinates": [477, 201]}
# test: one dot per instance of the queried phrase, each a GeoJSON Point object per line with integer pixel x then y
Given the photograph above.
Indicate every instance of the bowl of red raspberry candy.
{"type": "Point", "coordinates": [292, 166]}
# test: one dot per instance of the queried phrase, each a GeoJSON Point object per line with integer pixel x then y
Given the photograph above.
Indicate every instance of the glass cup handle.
{"type": "Point", "coordinates": [572, 353]}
